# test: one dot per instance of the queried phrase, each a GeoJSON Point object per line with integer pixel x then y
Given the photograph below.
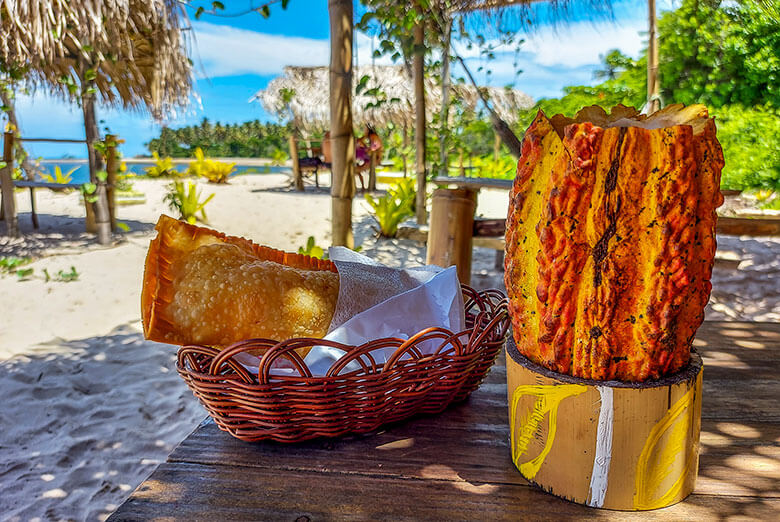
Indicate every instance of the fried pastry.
{"type": "Point", "coordinates": [203, 287]}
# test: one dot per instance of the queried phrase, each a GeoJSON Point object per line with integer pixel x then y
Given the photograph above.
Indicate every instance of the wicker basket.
{"type": "Point", "coordinates": [296, 408]}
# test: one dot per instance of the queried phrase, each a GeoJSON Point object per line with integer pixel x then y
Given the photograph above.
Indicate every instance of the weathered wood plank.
{"type": "Point", "coordinates": [195, 492]}
{"type": "Point", "coordinates": [457, 465]}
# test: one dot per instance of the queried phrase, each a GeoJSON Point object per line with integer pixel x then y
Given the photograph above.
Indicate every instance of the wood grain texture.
{"type": "Point", "coordinates": [457, 465]}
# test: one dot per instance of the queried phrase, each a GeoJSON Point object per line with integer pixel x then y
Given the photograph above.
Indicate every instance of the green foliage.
{"type": "Point", "coordinates": [720, 53]}
{"type": "Point", "coordinates": [163, 167]}
{"type": "Point", "coordinates": [750, 139]}
{"type": "Point", "coordinates": [12, 265]}
{"type": "Point", "coordinates": [394, 207]}
{"type": "Point", "coordinates": [58, 176]}
{"type": "Point", "coordinates": [186, 201]}
{"type": "Point", "coordinates": [251, 139]}
{"type": "Point", "coordinates": [62, 276]}
{"type": "Point", "coordinates": [214, 171]}
{"type": "Point", "coordinates": [503, 167]}
{"type": "Point", "coordinates": [311, 249]}
{"type": "Point", "coordinates": [629, 87]}
{"type": "Point", "coordinates": [279, 157]}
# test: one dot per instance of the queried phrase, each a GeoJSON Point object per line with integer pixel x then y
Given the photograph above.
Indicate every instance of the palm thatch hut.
{"type": "Point", "coordinates": [122, 53]}
{"type": "Point", "coordinates": [302, 94]}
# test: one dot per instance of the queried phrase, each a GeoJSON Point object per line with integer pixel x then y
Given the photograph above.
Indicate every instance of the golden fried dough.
{"type": "Point", "coordinates": [202, 287]}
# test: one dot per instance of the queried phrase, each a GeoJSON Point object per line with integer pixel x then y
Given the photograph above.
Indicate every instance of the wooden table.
{"type": "Point", "coordinates": [457, 465]}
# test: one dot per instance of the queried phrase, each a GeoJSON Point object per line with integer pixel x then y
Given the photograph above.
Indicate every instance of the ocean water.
{"type": "Point", "coordinates": [80, 170]}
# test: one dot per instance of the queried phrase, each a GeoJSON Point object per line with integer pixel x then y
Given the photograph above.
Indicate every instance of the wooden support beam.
{"type": "Point", "coordinates": [7, 182]}
{"type": "Point", "coordinates": [653, 85]}
{"type": "Point", "coordinates": [418, 67]}
{"type": "Point", "coordinates": [341, 134]}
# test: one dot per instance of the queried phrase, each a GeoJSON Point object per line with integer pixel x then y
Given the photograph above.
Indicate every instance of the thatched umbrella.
{"type": "Point", "coordinates": [124, 53]}
{"type": "Point", "coordinates": [308, 105]}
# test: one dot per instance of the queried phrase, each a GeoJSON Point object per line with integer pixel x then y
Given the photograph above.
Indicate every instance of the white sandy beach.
{"type": "Point", "coordinates": [93, 407]}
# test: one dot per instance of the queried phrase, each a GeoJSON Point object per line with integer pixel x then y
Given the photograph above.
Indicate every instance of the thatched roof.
{"type": "Point", "coordinates": [136, 48]}
{"type": "Point", "coordinates": [310, 105]}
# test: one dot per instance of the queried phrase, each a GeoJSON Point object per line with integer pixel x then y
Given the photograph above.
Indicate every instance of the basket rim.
{"type": "Point", "coordinates": [460, 348]}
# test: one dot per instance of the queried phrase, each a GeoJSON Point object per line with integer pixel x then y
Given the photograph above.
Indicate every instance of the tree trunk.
{"type": "Point", "coordinates": [653, 87]}
{"type": "Point", "coordinates": [405, 143]}
{"type": "Point", "coordinates": [98, 219]}
{"type": "Point", "coordinates": [341, 134]}
{"type": "Point", "coordinates": [419, 131]}
{"type": "Point", "coordinates": [445, 99]}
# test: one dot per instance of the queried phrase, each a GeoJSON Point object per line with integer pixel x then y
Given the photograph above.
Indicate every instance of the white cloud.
{"type": "Point", "coordinates": [228, 51]}
{"type": "Point", "coordinates": [582, 43]}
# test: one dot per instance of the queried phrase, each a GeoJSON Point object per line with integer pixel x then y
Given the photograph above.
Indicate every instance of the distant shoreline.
{"type": "Point", "coordinates": [241, 162]}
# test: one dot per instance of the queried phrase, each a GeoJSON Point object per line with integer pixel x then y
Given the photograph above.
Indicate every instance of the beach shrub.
{"type": "Point", "coordinates": [58, 176]}
{"type": "Point", "coordinates": [214, 171]}
{"type": "Point", "coordinates": [186, 201]}
{"type": "Point", "coordinates": [749, 137]}
{"type": "Point", "coordinates": [312, 249]}
{"type": "Point", "coordinates": [394, 207]}
{"type": "Point", "coordinates": [488, 166]}
{"type": "Point", "coordinates": [279, 157]}
{"type": "Point", "coordinates": [162, 168]}
{"type": "Point", "coordinates": [13, 265]}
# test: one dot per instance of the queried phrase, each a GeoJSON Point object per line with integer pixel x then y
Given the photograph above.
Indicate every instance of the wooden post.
{"type": "Point", "coordinates": [7, 183]}
{"type": "Point", "coordinates": [419, 119]}
{"type": "Point", "coordinates": [112, 168]}
{"type": "Point", "coordinates": [341, 133]}
{"type": "Point", "coordinates": [405, 143]}
{"type": "Point", "coordinates": [610, 445]}
{"type": "Point", "coordinates": [372, 161]}
{"type": "Point", "coordinates": [496, 146]}
{"type": "Point", "coordinates": [445, 98]}
{"type": "Point", "coordinates": [450, 234]}
{"type": "Point", "coordinates": [296, 167]}
{"type": "Point", "coordinates": [653, 86]}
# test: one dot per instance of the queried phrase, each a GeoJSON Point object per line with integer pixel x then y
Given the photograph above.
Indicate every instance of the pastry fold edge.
{"type": "Point", "coordinates": [176, 238]}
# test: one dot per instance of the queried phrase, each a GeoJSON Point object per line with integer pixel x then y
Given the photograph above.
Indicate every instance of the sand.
{"type": "Point", "coordinates": [94, 407]}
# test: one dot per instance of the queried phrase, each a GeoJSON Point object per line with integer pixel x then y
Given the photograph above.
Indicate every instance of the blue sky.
{"type": "Point", "coordinates": [235, 57]}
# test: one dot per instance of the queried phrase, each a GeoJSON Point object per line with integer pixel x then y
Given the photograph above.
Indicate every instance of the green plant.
{"type": "Point", "coordinates": [62, 276]}
{"type": "Point", "coordinates": [12, 265]}
{"type": "Point", "coordinates": [279, 157]}
{"type": "Point", "coordinates": [311, 249]}
{"type": "Point", "coordinates": [214, 171]}
{"type": "Point", "coordinates": [394, 207]}
{"type": "Point", "coordinates": [187, 201]}
{"type": "Point", "coordinates": [58, 176]}
{"type": "Point", "coordinates": [502, 167]}
{"type": "Point", "coordinates": [163, 167]}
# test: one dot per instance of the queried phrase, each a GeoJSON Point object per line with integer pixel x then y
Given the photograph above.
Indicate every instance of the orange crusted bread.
{"type": "Point", "coordinates": [203, 287]}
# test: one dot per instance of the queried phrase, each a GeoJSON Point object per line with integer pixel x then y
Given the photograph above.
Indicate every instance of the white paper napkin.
{"type": "Point", "coordinates": [377, 301]}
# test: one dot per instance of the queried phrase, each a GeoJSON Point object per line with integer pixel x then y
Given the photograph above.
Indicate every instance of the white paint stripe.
{"type": "Point", "coordinates": [600, 474]}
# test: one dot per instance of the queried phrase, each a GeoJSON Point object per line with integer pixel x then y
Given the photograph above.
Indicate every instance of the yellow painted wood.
{"type": "Point", "coordinates": [651, 432]}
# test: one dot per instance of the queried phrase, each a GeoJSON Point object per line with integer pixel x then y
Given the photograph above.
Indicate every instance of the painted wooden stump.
{"type": "Point", "coordinates": [611, 445]}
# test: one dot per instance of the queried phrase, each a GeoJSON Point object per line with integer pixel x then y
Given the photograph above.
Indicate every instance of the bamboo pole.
{"type": "Point", "coordinates": [653, 86]}
{"type": "Point", "coordinates": [341, 134]}
{"type": "Point", "coordinates": [7, 182]}
{"type": "Point", "coordinates": [112, 168]}
{"type": "Point", "coordinates": [445, 98]}
{"type": "Point", "coordinates": [419, 130]}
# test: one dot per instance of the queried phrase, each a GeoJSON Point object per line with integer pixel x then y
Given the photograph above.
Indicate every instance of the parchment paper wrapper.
{"type": "Point", "coordinates": [377, 301]}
